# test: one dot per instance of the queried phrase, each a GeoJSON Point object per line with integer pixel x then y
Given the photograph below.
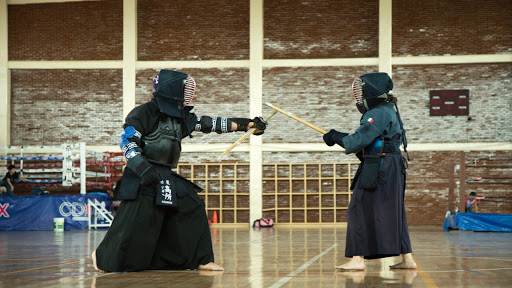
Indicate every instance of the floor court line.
{"type": "Point", "coordinates": [476, 257]}
{"type": "Point", "coordinates": [283, 280]}
{"type": "Point", "coordinates": [425, 277]}
{"type": "Point", "coordinates": [466, 270]}
{"type": "Point", "coordinates": [42, 267]}
{"type": "Point", "coordinates": [41, 261]}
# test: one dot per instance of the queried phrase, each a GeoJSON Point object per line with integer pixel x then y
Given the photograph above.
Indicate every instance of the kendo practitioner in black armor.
{"type": "Point", "coordinates": [161, 223]}
{"type": "Point", "coordinates": [377, 225]}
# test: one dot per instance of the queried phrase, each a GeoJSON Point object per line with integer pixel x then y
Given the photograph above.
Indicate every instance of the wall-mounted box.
{"type": "Point", "coordinates": [449, 102]}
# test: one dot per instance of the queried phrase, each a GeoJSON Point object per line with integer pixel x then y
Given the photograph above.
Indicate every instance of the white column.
{"type": "Point", "coordinates": [256, 90]}
{"type": "Point", "coordinates": [5, 101]}
{"type": "Point", "coordinates": [129, 54]}
{"type": "Point", "coordinates": [385, 25]}
{"type": "Point", "coordinates": [83, 169]}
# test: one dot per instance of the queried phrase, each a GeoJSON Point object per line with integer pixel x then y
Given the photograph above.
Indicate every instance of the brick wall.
{"type": "Point", "coordinates": [193, 30]}
{"type": "Point", "coordinates": [51, 107]}
{"type": "Point", "coordinates": [451, 27]}
{"type": "Point", "coordinates": [89, 30]}
{"type": "Point", "coordinates": [320, 29]}
{"type": "Point", "coordinates": [490, 102]}
{"type": "Point", "coordinates": [495, 170]}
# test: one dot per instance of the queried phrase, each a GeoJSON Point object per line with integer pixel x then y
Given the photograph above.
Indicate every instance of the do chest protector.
{"type": "Point", "coordinates": [163, 146]}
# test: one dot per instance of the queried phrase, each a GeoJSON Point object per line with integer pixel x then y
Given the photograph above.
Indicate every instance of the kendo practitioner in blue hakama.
{"type": "Point", "coordinates": [377, 225]}
{"type": "Point", "coordinates": [161, 223]}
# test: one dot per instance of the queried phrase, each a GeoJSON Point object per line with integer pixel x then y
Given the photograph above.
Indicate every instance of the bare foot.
{"type": "Point", "coordinates": [356, 263]}
{"type": "Point", "coordinates": [407, 262]}
{"type": "Point", "coordinates": [211, 267]}
{"type": "Point", "coordinates": [93, 256]}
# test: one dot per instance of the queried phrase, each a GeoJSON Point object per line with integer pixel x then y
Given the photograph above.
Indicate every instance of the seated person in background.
{"type": "Point", "coordinates": [471, 202]}
{"type": "Point", "coordinates": [8, 180]}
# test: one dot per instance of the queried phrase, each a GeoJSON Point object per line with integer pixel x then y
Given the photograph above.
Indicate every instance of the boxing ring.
{"type": "Point", "coordinates": [66, 168]}
{"type": "Point", "coordinates": [66, 165]}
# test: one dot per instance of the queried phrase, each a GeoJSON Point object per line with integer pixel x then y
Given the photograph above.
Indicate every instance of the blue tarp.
{"type": "Point", "coordinates": [37, 212]}
{"type": "Point", "coordinates": [479, 222]}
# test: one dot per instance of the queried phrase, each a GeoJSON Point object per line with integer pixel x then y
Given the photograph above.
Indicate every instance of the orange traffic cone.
{"type": "Point", "coordinates": [215, 220]}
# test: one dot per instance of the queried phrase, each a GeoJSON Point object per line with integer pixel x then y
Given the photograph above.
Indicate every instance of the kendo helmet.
{"type": "Point", "coordinates": [371, 89]}
{"type": "Point", "coordinates": [174, 90]}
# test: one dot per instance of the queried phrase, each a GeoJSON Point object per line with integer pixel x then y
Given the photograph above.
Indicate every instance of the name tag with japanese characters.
{"type": "Point", "coordinates": [166, 192]}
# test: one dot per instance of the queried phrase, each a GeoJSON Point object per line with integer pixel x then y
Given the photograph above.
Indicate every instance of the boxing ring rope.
{"type": "Point", "coordinates": [70, 172]}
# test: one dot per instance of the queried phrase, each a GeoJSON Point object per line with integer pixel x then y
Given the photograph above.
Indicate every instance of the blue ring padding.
{"type": "Point", "coordinates": [44, 181]}
{"type": "Point", "coordinates": [97, 194]}
{"type": "Point", "coordinates": [32, 158]}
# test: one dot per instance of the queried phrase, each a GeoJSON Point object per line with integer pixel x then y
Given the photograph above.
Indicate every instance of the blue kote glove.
{"type": "Point", "coordinates": [148, 175]}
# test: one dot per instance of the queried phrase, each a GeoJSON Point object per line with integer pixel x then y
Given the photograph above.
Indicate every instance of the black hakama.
{"type": "Point", "coordinates": [146, 236]}
{"type": "Point", "coordinates": [377, 225]}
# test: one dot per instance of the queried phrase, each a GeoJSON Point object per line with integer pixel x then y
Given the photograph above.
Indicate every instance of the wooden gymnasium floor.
{"type": "Point", "coordinates": [283, 256]}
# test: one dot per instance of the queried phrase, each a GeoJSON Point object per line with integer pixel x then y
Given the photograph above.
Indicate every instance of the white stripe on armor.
{"type": "Point", "coordinates": [214, 123]}
{"type": "Point", "coordinates": [128, 147]}
{"type": "Point", "coordinates": [224, 125]}
{"type": "Point", "coordinates": [131, 145]}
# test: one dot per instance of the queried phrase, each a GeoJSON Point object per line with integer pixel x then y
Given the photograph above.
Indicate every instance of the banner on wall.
{"type": "Point", "coordinates": [38, 212]}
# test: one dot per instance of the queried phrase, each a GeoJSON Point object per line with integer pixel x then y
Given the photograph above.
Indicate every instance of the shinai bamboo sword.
{"type": "Point", "coordinates": [247, 134]}
{"type": "Point", "coordinates": [297, 118]}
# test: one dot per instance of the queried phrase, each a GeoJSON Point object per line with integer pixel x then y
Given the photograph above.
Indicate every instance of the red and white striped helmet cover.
{"type": "Point", "coordinates": [189, 90]}
{"type": "Point", "coordinates": [357, 88]}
